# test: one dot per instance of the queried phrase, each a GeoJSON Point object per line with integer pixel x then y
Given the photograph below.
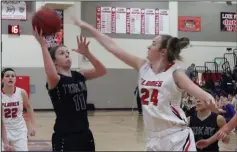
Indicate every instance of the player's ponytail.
{"type": "Point", "coordinates": [174, 46]}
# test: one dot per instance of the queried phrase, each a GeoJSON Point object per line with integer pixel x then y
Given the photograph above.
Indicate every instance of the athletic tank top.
{"type": "Point", "coordinates": [205, 129]}
{"type": "Point", "coordinates": [69, 99]}
{"type": "Point", "coordinates": [161, 99]}
{"type": "Point", "coordinates": [13, 110]}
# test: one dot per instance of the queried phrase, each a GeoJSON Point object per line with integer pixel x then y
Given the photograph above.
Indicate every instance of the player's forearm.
{"type": "Point", "coordinates": [230, 125]}
{"type": "Point", "coordinates": [31, 115]}
{"type": "Point", "coordinates": [103, 39]}
{"type": "Point", "coordinates": [99, 67]}
{"type": "Point", "coordinates": [49, 66]}
{"type": "Point", "coordinates": [212, 139]}
{"type": "Point", "coordinates": [4, 134]}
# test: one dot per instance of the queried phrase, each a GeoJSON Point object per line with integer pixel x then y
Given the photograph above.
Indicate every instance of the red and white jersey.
{"type": "Point", "coordinates": [12, 107]}
{"type": "Point", "coordinates": [161, 99]}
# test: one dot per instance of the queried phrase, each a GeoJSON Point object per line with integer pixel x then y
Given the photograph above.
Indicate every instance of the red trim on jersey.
{"type": "Point", "coordinates": [187, 144]}
{"type": "Point", "coordinates": [13, 91]}
{"type": "Point", "coordinates": [169, 66]}
{"type": "Point", "coordinates": [176, 112]}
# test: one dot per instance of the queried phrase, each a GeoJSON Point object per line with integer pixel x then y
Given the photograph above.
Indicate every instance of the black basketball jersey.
{"type": "Point", "coordinates": [69, 99]}
{"type": "Point", "coordinates": [205, 129]}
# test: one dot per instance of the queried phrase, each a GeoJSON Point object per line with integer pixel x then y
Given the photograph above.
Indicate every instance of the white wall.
{"type": "Point", "coordinates": [16, 48]}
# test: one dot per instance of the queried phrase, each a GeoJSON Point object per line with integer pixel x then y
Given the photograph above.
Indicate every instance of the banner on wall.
{"type": "Point", "coordinates": [58, 37]}
{"type": "Point", "coordinates": [189, 23]}
{"type": "Point", "coordinates": [132, 20]}
{"type": "Point", "coordinates": [14, 10]}
{"type": "Point", "coordinates": [228, 21]}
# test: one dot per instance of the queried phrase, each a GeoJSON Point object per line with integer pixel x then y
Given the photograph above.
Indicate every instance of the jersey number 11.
{"type": "Point", "coordinates": [80, 102]}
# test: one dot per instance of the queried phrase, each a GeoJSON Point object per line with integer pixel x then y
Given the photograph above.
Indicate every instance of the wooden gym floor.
{"type": "Point", "coordinates": [112, 130]}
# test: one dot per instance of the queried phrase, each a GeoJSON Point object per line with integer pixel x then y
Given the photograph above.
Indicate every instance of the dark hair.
{"type": "Point", "coordinates": [52, 50]}
{"type": "Point", "coordinates": [3, 72]}
{"type": "Point", "coordinates": [174, 46]}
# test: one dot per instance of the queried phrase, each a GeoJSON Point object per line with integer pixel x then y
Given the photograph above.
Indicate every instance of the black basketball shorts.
{"type": "Point", "coordinates": [82, 141]}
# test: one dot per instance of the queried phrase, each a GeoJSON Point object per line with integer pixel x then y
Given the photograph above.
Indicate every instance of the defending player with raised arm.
{"type": "Point", "coordinates": [160, 83]}
{"type": "Point", "coordinates": [68, 92]}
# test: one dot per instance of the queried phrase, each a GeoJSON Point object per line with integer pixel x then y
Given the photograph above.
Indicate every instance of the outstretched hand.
{"type": "Point", "coordinates": [221, 135]}
{"type": "Point", "coordinates": [39, 36]}
{"type": "Point", "coordinates": [202, 143]}
{"type": "Point", "coordinates": [82, 45]}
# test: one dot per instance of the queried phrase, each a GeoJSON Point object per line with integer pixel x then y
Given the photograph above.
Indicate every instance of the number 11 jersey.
{"type": "Point", "coordinates": [69, 99]}
{"type": "Point", "coordinates": [161, 98]}
{"type": "Point", "coordinates": [12, 107]}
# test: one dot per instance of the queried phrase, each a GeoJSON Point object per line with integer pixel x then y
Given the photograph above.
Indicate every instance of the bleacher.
{"type": "Point", "coordinates": [221, 72]}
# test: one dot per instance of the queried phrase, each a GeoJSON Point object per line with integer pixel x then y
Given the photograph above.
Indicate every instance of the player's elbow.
{"type": "Point", "coordinates": [103, 71]}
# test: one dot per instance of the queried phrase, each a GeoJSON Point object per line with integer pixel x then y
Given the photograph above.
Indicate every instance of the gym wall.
{"type": "Point", "coordinates": [210, 42]}
{"type": "Point", "coordinates": [115, 90]}
{"type": "Point", "coordinates": [210, 21]}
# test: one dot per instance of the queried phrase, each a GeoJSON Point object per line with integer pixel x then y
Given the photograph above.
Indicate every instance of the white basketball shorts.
{"type": "Point", "coordinates": [171, 140]}
{"type": "Point", "coordinates": [18, 139]}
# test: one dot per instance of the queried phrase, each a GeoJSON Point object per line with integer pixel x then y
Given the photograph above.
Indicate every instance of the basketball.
{"type": "Point", "coordinates": [48, 20]}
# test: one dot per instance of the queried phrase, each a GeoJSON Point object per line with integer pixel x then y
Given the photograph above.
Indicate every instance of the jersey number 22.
{"type": "Point", "coordinates": [10, 113]}
{"type": "Point", "coordinates": [148, 96]}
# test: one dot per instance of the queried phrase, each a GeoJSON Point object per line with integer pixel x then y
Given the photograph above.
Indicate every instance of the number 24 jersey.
{"type": "Point", "coordinates": [161, 98]}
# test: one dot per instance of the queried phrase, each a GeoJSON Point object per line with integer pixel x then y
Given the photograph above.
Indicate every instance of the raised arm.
{"type": "Point", "coordinates": [188, 86]}
{"type": "Point", "coordinates": [111, 46]}
{"type": "Point", "coordinates": [49, 67]}
{"type": "Point", "coordinates": [99, 69]}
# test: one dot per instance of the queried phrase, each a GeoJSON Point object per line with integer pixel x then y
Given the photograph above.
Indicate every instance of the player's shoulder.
{"type": "Point", "coordinates": [146, 66]}
{"type": "Point", "coordinates": [175, 67]}
{"type": "Point", "coordinates": [78, 74]}
{"type": "Point", "coordinates": [19, 90]}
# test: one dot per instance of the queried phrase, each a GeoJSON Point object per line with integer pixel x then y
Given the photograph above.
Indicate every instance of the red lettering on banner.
{"type": "Point", "coordinates": [142, 21]}
{"type": "Point", "coordinates": [113, 20]}
{"type": "Point", "coordinates": [128, 21]}
{"type": "Point", "coordinates": [98, 18]}
{"type": "Point", "coordinates": [157, 22]}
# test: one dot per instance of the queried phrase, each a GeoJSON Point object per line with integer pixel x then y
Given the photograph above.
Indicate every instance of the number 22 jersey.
{"type": "Point", "coordinates": [161, 98]}
{"type": "Point", "coordinates": [12, 107]}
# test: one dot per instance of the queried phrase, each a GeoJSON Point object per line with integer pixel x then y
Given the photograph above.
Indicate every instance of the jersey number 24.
{"type": "Point", "coordinates": [147, 96]}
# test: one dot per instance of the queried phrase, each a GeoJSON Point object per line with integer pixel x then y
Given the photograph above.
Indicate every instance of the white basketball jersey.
{"type": "Point", "coordinates": [160, 99]}
{"type": "Point", "coordinates": [13, 110]}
